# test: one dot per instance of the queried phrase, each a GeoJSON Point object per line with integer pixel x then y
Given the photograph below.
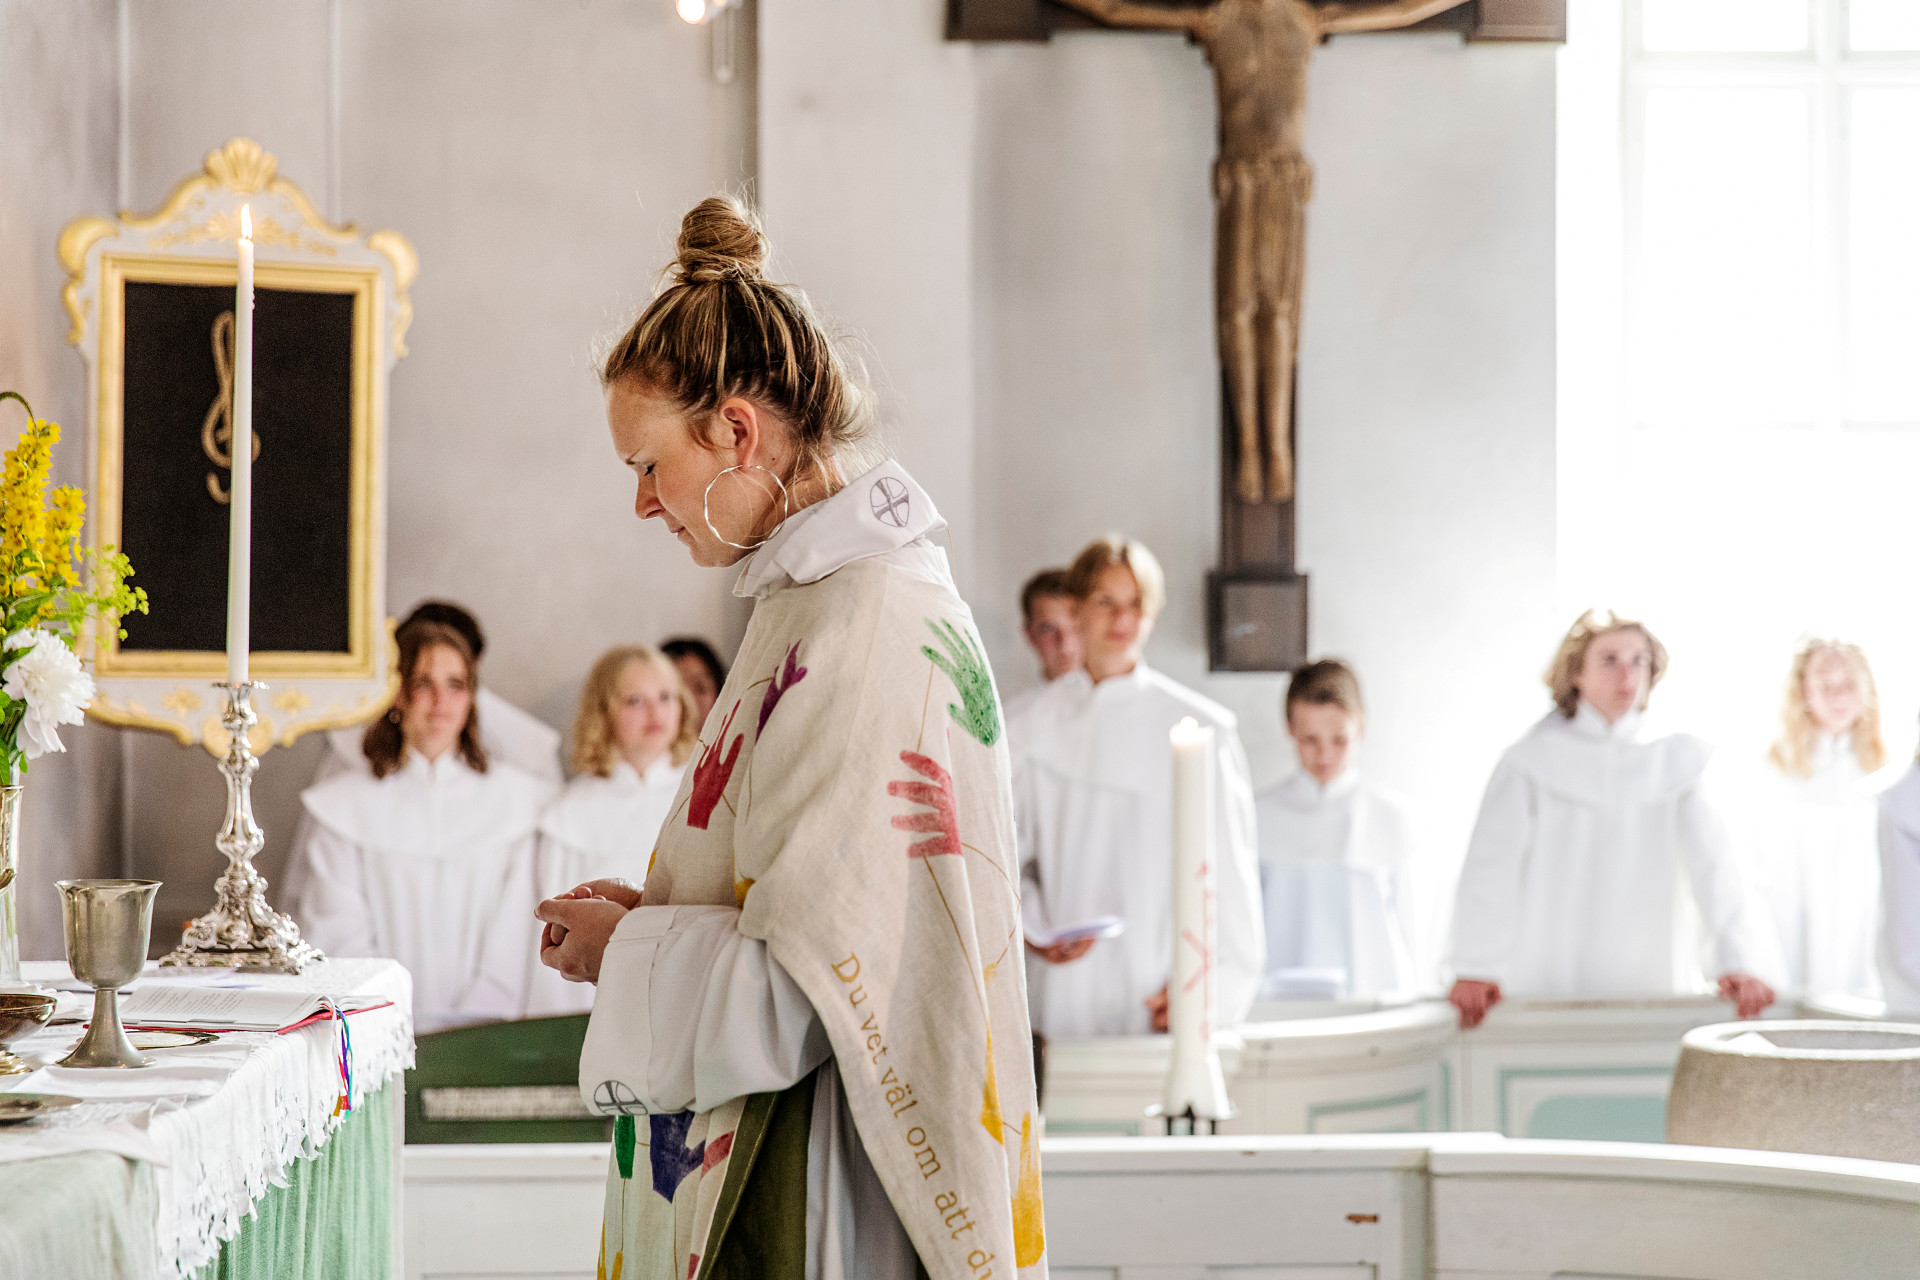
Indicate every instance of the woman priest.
{"type": "Point", "coordinates": [817, 1006]}
{"type": "Point", "coordinates": [632, 739]}
{"type": "Point", "coordinates": [427, 854]}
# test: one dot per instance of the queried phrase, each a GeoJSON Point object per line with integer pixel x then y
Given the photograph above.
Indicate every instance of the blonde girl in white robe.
{"type": "Point", "coordinates": [1597, 848]}
{"type": "Point", "coordinates": [811, 1026]}
{"type": "Point", "coordinates": [632, 738]}
{"type": "Point", "coordinates": [426, 856]}
{"type": "Point", "coordinates": [1336, 855]}
{"type": "Point", "coordinates": [1814, 823]}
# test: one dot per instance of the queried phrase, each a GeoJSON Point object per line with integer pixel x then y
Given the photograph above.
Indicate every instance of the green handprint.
{"type": "Point", "coordinates": [966, 666]}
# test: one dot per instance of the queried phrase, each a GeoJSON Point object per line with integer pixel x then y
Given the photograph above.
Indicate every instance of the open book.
{"type": "Point", "coordinates": [202, 1008]}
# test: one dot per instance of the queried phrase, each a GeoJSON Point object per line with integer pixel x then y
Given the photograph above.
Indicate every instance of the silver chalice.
{"type": "Point", "coordinates": [107, 923]}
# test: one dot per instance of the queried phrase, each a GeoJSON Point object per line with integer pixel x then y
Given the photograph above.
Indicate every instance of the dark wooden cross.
{"type": "Point", "coordinates": [1257, 603]}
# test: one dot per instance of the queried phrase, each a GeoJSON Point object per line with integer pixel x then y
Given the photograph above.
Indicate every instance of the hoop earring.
{"type": "Point", "coordinates": [706, 513]}
{"type": "Point", "coordinates": [393, 715]}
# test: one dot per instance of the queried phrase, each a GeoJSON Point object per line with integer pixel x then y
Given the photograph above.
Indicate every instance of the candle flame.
{"type": "Point", "coordinates": [694, 11]}
{"type": "Point", "coordinates": [246, 222]}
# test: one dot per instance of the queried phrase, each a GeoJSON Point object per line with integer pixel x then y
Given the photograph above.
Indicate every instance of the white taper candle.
{"type": "Point", "coordinates": [240, 527]}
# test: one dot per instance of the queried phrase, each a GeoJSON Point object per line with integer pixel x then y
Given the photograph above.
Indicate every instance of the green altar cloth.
{"type": "Point", "coordinates": [333, 1219]}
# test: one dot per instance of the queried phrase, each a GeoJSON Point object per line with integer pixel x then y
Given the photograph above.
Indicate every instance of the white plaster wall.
{"type": "Point", "coordinates": [1426, 377]}
{"type": "Point", "coordinates": [866, 183]}
{"type": "Point", "coordinates": [1427, 405]}
{"type": "Point", "coordinates": [57, 139]}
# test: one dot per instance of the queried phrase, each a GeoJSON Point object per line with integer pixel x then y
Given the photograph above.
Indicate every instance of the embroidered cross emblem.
{"type": "Point", "coordinates": [891, 505]}
{"type": "Point", "coordinates": [614, 1098]}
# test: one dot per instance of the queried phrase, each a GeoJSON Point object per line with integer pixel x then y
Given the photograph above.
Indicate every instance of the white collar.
{"type": "Point", "coordinates": [449, 765]}
{"type": "Point", "coordinates": [1310, 788]}
{"type": "Point", "coordinates": [1829, 747]}
{"type": "Point", "coordinates": [1134, 679]}
{"type": "Point", "coordinates": [625, 775]}
{"type": "Point", "coordinates": [1590, 723]}
{"type": "Point", "coordinates": [878, 512]}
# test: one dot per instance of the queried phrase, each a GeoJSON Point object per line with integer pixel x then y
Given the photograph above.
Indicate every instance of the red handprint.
{"type": "Point", "coordinates": [711, 775]}
{"type": "Point", "coordinates": [778, 686]}
{"type": "Point", "coordinates": [943, 824]}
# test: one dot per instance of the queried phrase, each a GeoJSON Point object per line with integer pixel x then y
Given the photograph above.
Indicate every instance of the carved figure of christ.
{"type": "Point", "coordinates": [1259, 50]}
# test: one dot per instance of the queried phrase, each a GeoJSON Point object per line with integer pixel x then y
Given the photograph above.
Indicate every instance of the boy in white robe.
{"type": "Point", "coordinates": [1898, 935]}
{"type": "Point", "coordinates": [1596, 850]}
{"type": "Point", "coordinates": [1093, 794]}
{"type": "Point", "coordinates": [1047, 625]}
{"type": "Point", "coordinates": [1813, 823]}
{"type": "Point", "coordinates": [1335, 856]}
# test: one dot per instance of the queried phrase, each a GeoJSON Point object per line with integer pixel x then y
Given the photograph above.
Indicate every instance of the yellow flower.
{"type": "Point", "coordinates": [23, 495]}
{"type": "Point", "coordinates": [62, 532]}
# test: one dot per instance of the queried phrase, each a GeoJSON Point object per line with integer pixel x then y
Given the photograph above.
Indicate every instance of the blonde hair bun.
{"type": "Point", "coordinates": [720, 239]}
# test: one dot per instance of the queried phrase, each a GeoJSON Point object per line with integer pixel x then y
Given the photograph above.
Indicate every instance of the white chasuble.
{"type": "Point", "coordinates": [1818, 863]}
{"type": "Point", "coordinates": [1093, 793]}
{"type": "Point", "coordinates": [1335, 877]}
{"type": "Point", "coordinates": [1898, 934]}
{"type": "Point", "coordinates": [848, 816]}
{"type": "Point", "coordinates": [431, 865]}
{"type": "Point", "coordinates": [1598, 867]}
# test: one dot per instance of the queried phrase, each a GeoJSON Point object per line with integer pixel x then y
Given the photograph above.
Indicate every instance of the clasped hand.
{"type": "Point", "coordinates": [579, 923]}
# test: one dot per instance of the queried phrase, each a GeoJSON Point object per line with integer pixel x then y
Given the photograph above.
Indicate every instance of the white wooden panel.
{"type": "Point", "coordinates": [1239, 1225]}
{"type": "Point", "coordinates": [1543, 1225]}
{"type": "Point", "coordinates": [506, 1211]}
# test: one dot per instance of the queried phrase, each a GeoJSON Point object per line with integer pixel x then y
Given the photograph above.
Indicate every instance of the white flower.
{"type": "Point", "coordinates": [50, 680]}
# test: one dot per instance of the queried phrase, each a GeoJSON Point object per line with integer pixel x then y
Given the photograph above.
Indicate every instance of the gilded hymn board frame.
{"type": "Point", "coordinates": [339, 301]}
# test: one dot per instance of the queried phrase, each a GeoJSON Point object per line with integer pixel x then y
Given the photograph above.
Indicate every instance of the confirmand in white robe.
{"type": "Point", "coordinates": [1335, 874]}
{"type": "Point", "coordinates": [596, 827]}
{"type": "Point", "coordinates": [1818, 861]}
{"type": "Point", "coordinates": [432, 866]}
{"type": "Point", "coordinates": [1093, 805]}
{"type": "Point", "coordinates": [833, 890]}
{"type": "Point", "coordinates": [1598, 867]}
{"type": "Point", "coordinates": [506, 733]}
{"type": "Point", "coordinates": [1899, 924]}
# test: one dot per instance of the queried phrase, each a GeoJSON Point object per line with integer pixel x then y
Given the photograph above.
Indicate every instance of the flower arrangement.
{"type": "Point", "coordinates": [49, 587]}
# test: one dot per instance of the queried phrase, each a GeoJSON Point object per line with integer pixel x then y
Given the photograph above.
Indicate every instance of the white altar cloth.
{"type": "Point", "coordinates": [219, 1122]}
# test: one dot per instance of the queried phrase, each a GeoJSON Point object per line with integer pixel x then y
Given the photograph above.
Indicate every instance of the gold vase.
{"type": "Point", "coordinates": [9, 888]}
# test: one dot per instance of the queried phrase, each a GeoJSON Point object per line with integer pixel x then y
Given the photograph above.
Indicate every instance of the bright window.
{"type": "Point", "coordinates": [1740, 340]}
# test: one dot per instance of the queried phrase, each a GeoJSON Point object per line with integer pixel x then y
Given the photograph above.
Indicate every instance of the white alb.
{"type": "Point", "coordinates": [432, 865]}
{"type": "Point", "coordinates": [1818, 864]}
{"type": "Point", "coordinates": [1335, 874]}
{"type": "Point", "coordinates": [1598, 867]}
{"type": "Point", "coordinates": [1093, 810]}
{"type": "Point", "coordinates": [597, 828]}
{"type": "Point", "coordinates": [1899, 923]}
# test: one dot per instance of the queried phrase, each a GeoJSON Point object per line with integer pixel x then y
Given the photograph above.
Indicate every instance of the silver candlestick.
{"type": "Point", "coordinates": [242, 931]}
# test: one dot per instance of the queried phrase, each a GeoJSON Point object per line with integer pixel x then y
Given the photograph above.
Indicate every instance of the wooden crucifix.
{"type": "Point", "coordinates": [1260, 51]}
